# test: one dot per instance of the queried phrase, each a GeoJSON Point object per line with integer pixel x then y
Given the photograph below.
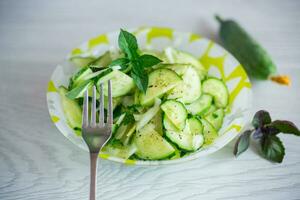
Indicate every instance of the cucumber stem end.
{"type": "Point", "coordinates": [281, 79]}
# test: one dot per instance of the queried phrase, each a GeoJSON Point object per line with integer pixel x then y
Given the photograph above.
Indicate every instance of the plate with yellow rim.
{"type": "Point", "coordinates": [216, 60]}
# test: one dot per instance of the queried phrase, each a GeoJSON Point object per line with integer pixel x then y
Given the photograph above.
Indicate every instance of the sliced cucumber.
{"type": "Point", "coordinates": [71, 109]}
{"type": "Point", "coordinates": [103, 61]}
{"type": "Point", "coordinates": [211, 109]}
{"type": "Point", "coordinates": [216, 118]}
{"type": "Point", "coordinates": [129, 133]}
{"type": "Point", "coordinates": [151, 145]}
{"type": "Point", "coordinates": [121, 131]}
{"type": "Point", "coordinates": [216, 88]}
{"type": "Point", "coordinates": [196, 129]}
{"type": "Point", "coordinates": [174, 56]}
{"type": "Point", "coordinates": [209, 132]}
{"type": "Point", "coordinates": [79, 90]}
{"type": "Point", "coordinates": [199, 106]}
{"type": "Point", "coordinates": [180, 69]}
{"type": "Point", "coordinates": [176, 112]}
{"type": "Point", "coordinates": [79, 77]}
{"type": "Point", "coordinates": [121, 83]}
{"type": "Point", "coordinates": [183, 139]}
{"type": "Point", "coordinates": [81, 61]}
{"type": "Point", "coordinates": [190, 138]}
{"type": "Point", "coordinates": [157, 122]}
{"type": "Point", "coordinates": [177, 153]}
{"type": "Point", "coordinates": [148, 115]}
{"type": "Point", "coordinates": [189, 89]}
{"type": "Point", "coordinates": [119, 150]}
{"type": "Point", "coordinates": [195, 125]}
{"type": "Point", "coordinates": [160, 82]}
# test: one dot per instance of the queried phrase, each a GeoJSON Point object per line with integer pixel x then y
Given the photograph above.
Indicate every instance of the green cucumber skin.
{"type": "Point", "coordinates": [248, 52]}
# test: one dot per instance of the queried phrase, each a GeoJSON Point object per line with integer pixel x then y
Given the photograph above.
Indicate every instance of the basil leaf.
{"type": "Point", "coordinates": [258, 133]}
{"type": "Point", "coordinates": [141, 80]}
{"type": "Point", "coordinates": [261, 118]}
{"type": "Point", "coordinates": [128, 44]}
{"type": "Point", "coordinates": [283, 126]}
{"type": "Point", "coordinates": [242, 143]}
{"type": "Point", "coordinates": [122, 62]}
{"type": "Point", "coordinates": [148, 60]}
{"type": "Point", "coordinates": [272, 148]}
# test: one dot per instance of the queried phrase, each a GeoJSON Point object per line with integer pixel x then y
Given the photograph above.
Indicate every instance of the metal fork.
{"type": "Point", "coordinates": [96, 134]}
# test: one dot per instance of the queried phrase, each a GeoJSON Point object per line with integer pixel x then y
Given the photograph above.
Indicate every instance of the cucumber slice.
{"type": "Point", "coordinates": [190, 138]}
{"type": "Point", "coordinates": [71, 109]}
{"type": "Point", "coordinates": [196, 129]}
{"type": "Point", "coordinates": [103, 61]}
{"type": "Point", "coordinates": [216, 118]}
{"type": "Point", "coordinates": [79, 77]}
{"type": "Point", "coordinates": [79, 90]}
{"type": "Point", "coordinates": [216, 88]}
{"type": "Point", "coordinates": [201, 105]}
{"type": "Point", "coordinates": [189, 89]}
{"type": "Point", "coordinates": [156, 121]}
{"type": "Point", "coordinates": [195, 125]}
{"type": "Point", "coordinates": [174, 56]}
{"type": "Point", "coordinates": [209, 132]}
{"type": "Point", "coordinates": [211, 109]}
{"type": "Point", "coordinates": [151, 145]}
{"type": "Point", "coordinates": [183, 139]}
{"type": "Point", "coordinates": [119, 150]}
{"type": "Point", "coordinates": [160, 82]}
{"type": "Point", "coordinates": [180, 69]}
{"type": "Point", "coordinates": [176, 112]}
{"type": "Point", "coordinates": [148, 115]}
{"type": "Point", "coordinates": [176, 154]}
{"type": "Point", "coordinates": [121, 83]}
{"type": "Point", "coordinates": [129, 133]}
{"type": "Point", "coordinates": [80, 61]}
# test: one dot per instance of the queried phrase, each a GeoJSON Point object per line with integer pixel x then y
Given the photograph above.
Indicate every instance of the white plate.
{"type": "Point", "coordinates": [217, 60]}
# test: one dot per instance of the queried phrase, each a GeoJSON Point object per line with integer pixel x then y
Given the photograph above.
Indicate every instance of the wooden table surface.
{"type": "Point", "coordinates": [38, 162]}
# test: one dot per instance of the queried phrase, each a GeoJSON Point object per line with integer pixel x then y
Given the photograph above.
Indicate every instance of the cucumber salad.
{"type": "Point", "coordinates": [165, 104]}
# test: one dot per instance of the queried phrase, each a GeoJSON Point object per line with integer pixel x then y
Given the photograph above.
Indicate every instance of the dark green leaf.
{"type": "Point", "coordinates": [140, 80]}
{"type": "Point", "coordinates": [261, 118]}
{"type": "Point", "coordinates": [258, 133]}
{"type": "Point", "coordinates": [283, 126]}
{"type": "Point", "coordinates": [137, 68]}
{"type": "Point", "coordinates": [148, 60]}
{"type": "Point", "coordinates": [242, 143]}
{"type": "Point", "coordinates": [272, 148]}
{"type": "Point", "coordinates": [128, 44]}
{"type": "Point", "coordinates": [122, 62]}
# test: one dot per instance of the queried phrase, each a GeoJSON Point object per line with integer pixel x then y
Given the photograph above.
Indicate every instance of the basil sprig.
{"type": "Point", "coordinates": [266, 131]}
{"type": "Point", "coordinates": [133, 60]}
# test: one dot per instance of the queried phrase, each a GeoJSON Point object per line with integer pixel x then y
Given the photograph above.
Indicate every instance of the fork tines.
{"type": "Point", "coordinates": [85, 112]}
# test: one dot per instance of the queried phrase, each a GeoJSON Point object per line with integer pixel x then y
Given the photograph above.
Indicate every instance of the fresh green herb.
{"type": "Point", "coordinates": [129, 118]}
{"type": "Point", "coordinates": [122, 62]}
{"type": "Point", "coordinates": [242, 143]}
{"type": "Point", "coordinates": [266, 132]}
{"type": "Point", "coordinates": [148, 60]}
{"type": "Point", "coordinates": [128, 44]}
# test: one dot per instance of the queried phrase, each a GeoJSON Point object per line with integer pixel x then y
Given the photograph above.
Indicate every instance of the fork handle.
{"type": "Point", "coordinates": [93, 181]}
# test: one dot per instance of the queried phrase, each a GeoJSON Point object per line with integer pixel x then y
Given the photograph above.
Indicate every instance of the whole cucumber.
{"type": "Point", "coordinates": [248, 52]}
